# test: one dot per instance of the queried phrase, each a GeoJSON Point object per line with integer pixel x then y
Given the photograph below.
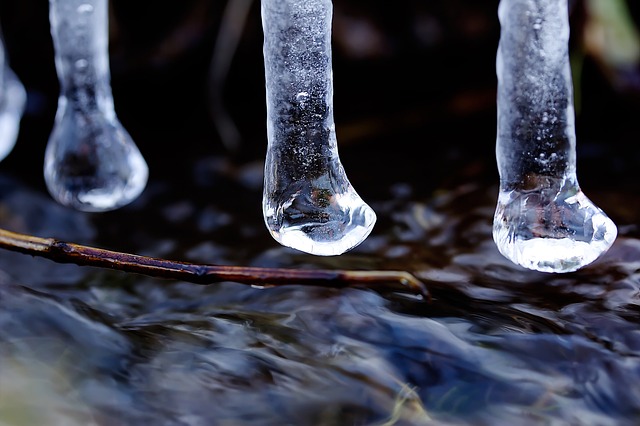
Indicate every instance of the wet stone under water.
{"type": "Point", "coordinates": [497, 344]}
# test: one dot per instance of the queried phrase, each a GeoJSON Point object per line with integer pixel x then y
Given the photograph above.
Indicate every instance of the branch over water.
{"type": "Point", "coordinates": [64, 252]}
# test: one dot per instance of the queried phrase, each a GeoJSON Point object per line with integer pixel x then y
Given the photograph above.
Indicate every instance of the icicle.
{"type": "Point", "coordinates": [91, 162]}
{"type": "Point", "coordinates": [13, 98]}
{"type": "Point", "coordinates": [308, 201]}
{"type": "Point", "coordinates": [543, 221]}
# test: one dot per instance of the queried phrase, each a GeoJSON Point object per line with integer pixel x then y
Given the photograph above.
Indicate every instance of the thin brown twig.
{"type": "Point", "coordinates": [63, 252]}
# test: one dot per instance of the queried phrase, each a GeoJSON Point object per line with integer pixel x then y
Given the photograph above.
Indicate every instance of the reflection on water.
{"type": "Point", "coordinates": [497, 345]}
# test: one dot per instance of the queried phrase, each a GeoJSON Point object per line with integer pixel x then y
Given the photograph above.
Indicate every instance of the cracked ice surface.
{"type": "Point", "coordinates": [543, 221]}
{"type": "Point", "coordinates": [308, 203]}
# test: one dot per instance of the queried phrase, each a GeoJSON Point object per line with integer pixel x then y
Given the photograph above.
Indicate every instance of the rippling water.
{"type": "Point", "coordinates": [496, 345]}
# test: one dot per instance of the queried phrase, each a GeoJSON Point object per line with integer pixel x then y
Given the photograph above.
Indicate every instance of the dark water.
{"type": "Point", "coordinates": [496, 345]}
{"type": "Point", "coordinates": [415, 113]}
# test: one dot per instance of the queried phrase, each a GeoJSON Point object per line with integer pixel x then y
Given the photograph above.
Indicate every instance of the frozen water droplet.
{"type": "Point", "coordinates": [91, 162]}
{"type": "Point", "coordinates": [554, 229]}
{"type": "Point", "coordinates": [308, 202]}
{"type": "Point", "coordinates": [322, 221]}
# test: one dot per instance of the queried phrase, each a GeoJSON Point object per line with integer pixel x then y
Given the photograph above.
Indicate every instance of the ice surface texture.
{"type": "Point", "coordinates": [13, 98]}
{"type": "Point", "coordinates": [91, 162]}
{"type": "Point", "coordinates": [308, 202]}
{"type": "Point", "coordinates": [543, 221]}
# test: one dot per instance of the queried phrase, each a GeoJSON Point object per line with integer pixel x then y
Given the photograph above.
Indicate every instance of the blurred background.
{"type": "Point", "coordinates": [414, 84]}
{"type": "Point", "coordinates": [415, 114]}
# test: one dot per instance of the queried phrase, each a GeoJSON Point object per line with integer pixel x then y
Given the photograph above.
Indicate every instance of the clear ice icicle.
{"type": "Point", "coordinates": [543, 221]}
{"type": "Point", "coordinates": [308, 202]}
{"type": "Point", "coordinates": [13, 98]}
{"type": "Point", "coordinates": [91, 162]}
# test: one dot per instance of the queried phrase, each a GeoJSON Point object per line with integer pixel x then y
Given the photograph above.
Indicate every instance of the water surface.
{"type": "Point", "coordinates": [497, 344]}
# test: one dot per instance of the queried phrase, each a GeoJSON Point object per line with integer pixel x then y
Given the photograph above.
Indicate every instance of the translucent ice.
{"type": "Point", "coordinates": [91, 162]}
{"type": "Point", "coordinates": [308, 202]}
{"type": "Point", "coordinates": [12, 101]}
{"type": "Point", "coordinates": [543, 221]}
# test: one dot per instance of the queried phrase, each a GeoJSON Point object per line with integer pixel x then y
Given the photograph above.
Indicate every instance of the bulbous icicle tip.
{"type": "Point", "coordinates": [551, 229]}
{"type": "Point", "coordinates": [308, 202]}
{"type": "Point", "coordinates": [324, 224]}
{"type": "Point", "coordinates": [94, 168]}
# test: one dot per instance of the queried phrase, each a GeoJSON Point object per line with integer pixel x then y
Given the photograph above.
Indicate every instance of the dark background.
{"type": "Point", "coordinates": [415, 113]}
{"type": "Point", "coordinates": [414, 89]}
